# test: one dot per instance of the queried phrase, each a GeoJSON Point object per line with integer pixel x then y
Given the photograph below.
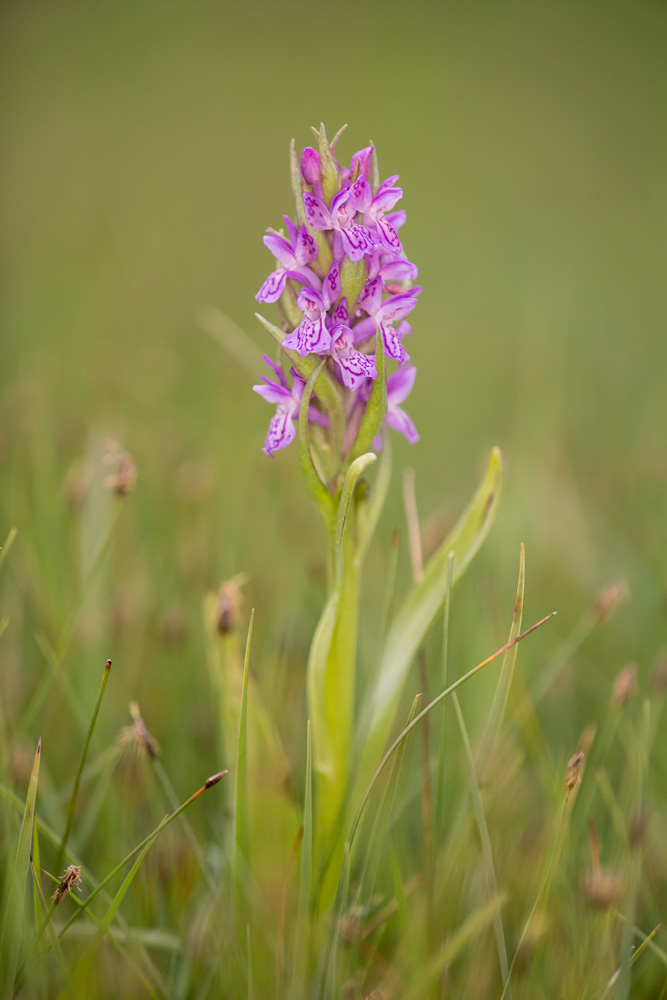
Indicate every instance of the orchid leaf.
{"type": "Point", "coordinates": [418, 611]}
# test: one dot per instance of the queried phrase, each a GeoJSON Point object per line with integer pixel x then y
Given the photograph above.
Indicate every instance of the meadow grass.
{"type": "Point", "coordinates": [490, 859]}
{"type": "Point", "coordinates": [474, 866]}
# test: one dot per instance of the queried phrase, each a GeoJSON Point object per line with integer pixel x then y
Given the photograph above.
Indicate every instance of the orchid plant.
{"type": "Point", "coordinates": [344, 289]}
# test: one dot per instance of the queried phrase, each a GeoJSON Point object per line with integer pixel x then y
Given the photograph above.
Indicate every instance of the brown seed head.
{"type": "Point", "coordinates": [608, 600]}
{"type": "Point", "coordinates": [604, 887]}
{"type": "Point", "coordinates": [137, 736]}
{"type": "Point", "coordinates": [70, 880]}
{"type": "Point", "coordinates": [625, 685]}
{"type": "Point", "coordinates": [659, 673]}
{"type": "Point", "coordinates": [573, 773]}
{"type": "Point", "coordinates": [123, 475]}
{"type": "Point", "coordinates": [228, 604]}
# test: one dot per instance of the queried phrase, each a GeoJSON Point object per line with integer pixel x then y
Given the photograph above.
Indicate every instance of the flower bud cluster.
{"type": "Point", "coordinates": [344, 289]}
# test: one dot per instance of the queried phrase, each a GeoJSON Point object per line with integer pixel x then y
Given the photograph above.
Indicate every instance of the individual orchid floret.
{"type": "Point", "coordinates": [311, 168]}
{"type": "Point", "coordinates": [399, 387]}
{"type": "Point", "coordinates": [288, 402]}
{"type": "Point", "coordinates": [355, 240]}
{"type": "Point", "coordinates": [355, 367]}
{"type": "Point", "coordinates": [312, 335]}
{"type": "Point", "coordinates": [363, 158]}
{"type": "Point", "coordinates": [373, 209]}
{"type": "Point", "coordinates": [383, 315]}
{"type": "Point", "coordinates": [294, 255]}
{"type": "Point", "coordinates": [392, 270]}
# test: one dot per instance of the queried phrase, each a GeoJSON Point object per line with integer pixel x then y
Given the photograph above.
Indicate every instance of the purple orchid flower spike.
{"type": "Point", "coordinates": [349, 237]}
{"type": "Point", "coordinates": [312, 335]}
{"type": "Point", "coordinates": [288, 402]}
{"type": "Point", "coordinates": [374, 208]}
{"type": "Point", "coordinates": [351, 227]}
{"type": "Point", "coordinates": [295, 255]}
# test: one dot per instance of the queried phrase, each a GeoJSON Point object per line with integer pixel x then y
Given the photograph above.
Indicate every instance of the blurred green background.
{"type": "Point", "coordinates": [145, 152]}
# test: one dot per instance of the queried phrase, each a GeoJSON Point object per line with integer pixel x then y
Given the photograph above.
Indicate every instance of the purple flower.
{"type": "Point", "coordinates": [355, 367]}
{"type": "Point", "coordinates": [374, 208]}
{"type": "Point", "coordinates": [288, 402]}
{"type": "Point", "coordinates": [363, 158]}
{"type": "Point", "coordinates": [312, 335]}
{"type": "Point", "coordinates": [399, 387]}
{"type": "Point", "coordinates": [350, 219]}
{"type": "Point", "coordinates": [383, 315]}
{"type": "Point", "coordinates": [294, 256]}
{"type": "Point", "coordinates": [356, 241]}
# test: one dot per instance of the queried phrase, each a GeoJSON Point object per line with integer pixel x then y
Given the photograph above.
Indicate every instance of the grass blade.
{"type": "Point", "coordinates": [501, 695]}
{"type": "Point", "coordinates": [82, 763]}
{"type": "Point", "coordinates": [14, 916]}
{"type": "Point", "coordinates": [241, 812]}
{"type": "Point", "coordinates": [487, 854]}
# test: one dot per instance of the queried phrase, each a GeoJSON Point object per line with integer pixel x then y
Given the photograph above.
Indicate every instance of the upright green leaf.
{"type": "Point", "coordinates": [414, 617]}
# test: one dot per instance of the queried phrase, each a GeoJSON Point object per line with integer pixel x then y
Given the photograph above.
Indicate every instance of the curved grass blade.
{"type": "Point", "coordinates": [82, 762]}
{"type": "Point", "coordinates": [416, 614]}
{"type": "Point", "coordinates": [428, 708]}
{"type": "Point", "coordinates": [169, 818]}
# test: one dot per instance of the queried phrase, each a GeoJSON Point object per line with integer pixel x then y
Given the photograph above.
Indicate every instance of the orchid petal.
{"type": "Point", "coordinates": [273, 393]}
{"type": "Point", "coordinates": [273, 287]}
{"type": "Point", "coordinates": [317, 213]}
{"type": "Point", "coordinates": [340, 313]}
{"type": "Point", "coordinates": [281, 431]}
{"type": "Point", "coordinates": [276, 368]}
{"type": "Point", "coordinates": [370, 298]}
{"type": "Point", "coordinates": [399, 385]}
{"type": "Point", "coordinates": [310, 337]}
{"type": "Point", "coordinates": [399, 270]}
{"type": "Point", "coordinates": [311, 301]}
{"type": "Point", "coordinates": [355, 368]}
{"type": "Point", "coordinates": [280, 248]}
{"type": "Point", "coordinates": [310, 165]}
{"type": "Point", "coordinates": [386, 198]}
{"type": "Point", "coordinates": [388, 234]}
{"type": "Point", "coordinates": [397, 306]}
{"type": "Point", "coordinates": [306, 247]}
{"type": "Point", "coordinates": [331, 288]}
{"type": "Point", "coordinates": [363, 195]}
{"type": "Point", "coordinates": [392, 344]}
{"type": "Point", "coordinates": [401, 422]}
{"type": "Point", "coordinates": [357, 242]}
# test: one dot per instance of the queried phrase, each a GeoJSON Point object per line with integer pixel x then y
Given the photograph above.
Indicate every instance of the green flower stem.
{"type": "Point", "coordinates": [331, 672]}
